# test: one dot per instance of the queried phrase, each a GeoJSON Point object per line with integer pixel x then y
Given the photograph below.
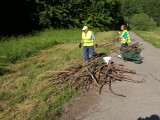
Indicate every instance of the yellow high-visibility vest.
{"type": "Point", "coordinates": [87, 39]}
{"type": "Point", "coordinates": [128, 37]}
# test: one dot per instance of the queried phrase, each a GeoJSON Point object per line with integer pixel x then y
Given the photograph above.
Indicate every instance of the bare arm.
{"type": "Point", "coordinates": [93, 38]}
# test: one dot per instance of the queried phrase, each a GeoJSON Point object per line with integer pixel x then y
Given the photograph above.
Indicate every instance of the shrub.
{"type": "Point", "coordinates": [142, 22]}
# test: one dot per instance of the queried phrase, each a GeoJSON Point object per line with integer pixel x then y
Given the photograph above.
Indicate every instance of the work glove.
{"type": "Point", "coordinates": [118, 38]}
{"type": "Point", "coordinates": [96, 45]}
{"type": "Point", "coordinates": [80, 45]}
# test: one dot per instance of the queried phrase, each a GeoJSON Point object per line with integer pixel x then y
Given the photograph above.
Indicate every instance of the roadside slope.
{"type": "Point", "coordinates": [29, 89]}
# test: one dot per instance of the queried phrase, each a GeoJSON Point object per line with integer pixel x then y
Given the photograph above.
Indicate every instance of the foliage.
{"type": "Point", "coordinates": [142, 22]}
{"type": "Point", "coordinates": [131, 7]}
{"type": "Point", "coordinates": [38, 14]}
{"type": "Point", "coordinates": [30, 15]}
{"type": "Point", "coordinates": [152, 9]}
{"type": "Point", "coordinates": [76, 13]}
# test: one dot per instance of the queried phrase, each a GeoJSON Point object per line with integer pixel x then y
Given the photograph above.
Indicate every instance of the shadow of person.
{"type": "Point", "coordinates": [152, 117]}
{"type": "Point", "coordinates": [101, 54]}
{"type": "Point", "coordinates": [98, 55]}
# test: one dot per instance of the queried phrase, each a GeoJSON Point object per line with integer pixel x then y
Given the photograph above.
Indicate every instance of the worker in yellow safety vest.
{"type": "Point", "coordinates": [88, 42]}
{"type": "Point", "coordinates": [125, 37]}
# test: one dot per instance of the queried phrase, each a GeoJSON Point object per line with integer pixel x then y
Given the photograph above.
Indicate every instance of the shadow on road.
{"type": "Point", "coordinates": [152, 117]}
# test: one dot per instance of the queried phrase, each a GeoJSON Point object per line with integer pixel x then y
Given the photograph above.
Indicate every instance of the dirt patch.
{"type": "Point", "coordinates": [80, 104]}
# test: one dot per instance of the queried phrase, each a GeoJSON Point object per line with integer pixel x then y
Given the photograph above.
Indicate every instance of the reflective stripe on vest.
{"type": "Point", "coordinates": [87, 39]}
{"type": "Point", "coordinates": [128, 37]}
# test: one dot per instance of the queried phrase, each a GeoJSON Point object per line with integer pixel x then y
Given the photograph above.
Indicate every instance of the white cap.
{"type": "Point", "coordinates": [85, 27]}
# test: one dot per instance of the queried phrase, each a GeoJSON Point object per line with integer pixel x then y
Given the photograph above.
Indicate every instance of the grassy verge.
{"type": "Point", "coordinates": [27, 89]}
{"type": "Point", "coordinates": [17, 48]}
{"type": "Point", "coordinates": [152, 37]}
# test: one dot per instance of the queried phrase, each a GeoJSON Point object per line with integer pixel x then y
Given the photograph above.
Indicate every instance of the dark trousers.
{"type": "Point", "coordinates": [122, 46]}
{"type": "Point", "coordinates": [88, 50]}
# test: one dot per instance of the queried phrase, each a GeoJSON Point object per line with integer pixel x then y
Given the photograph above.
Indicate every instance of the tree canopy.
{"type": "Point", "coordinates": [25, 15]}
{"type": "Point", "coordinates": [151, 9]}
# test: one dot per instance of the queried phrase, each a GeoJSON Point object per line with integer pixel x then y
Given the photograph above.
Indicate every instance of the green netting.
{"type": "Point", "coordinates": [133, 56]}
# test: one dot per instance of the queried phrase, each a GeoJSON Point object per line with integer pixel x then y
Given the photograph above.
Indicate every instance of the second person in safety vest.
{"type": "Point", "coordinates": [125, 37]}
{"type": "Point", "coordinates": [88, 41]}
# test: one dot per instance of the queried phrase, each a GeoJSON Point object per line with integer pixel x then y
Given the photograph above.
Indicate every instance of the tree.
{"type": "Point", "coordinates": [142, 22]}
{"type": "Point", "coordinates": [149, 7]}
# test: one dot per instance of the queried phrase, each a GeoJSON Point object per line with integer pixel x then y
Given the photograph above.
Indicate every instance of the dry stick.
{"type": "Point", "coordinates": [127, 79]}
{"type": "Point", "coordinates": [110, 82]}
{"type": "Point", "coordinates": [79, 84]}
{"type": "Point", "coordinates": [115, 77]}
{"type": "Point", "coordinates": [116, 51]}
{"type": "Point", "coordinates": [91, 62]}
{"type": "Point", "coordinates": [106, 73]}
{"type": "Point", "coordinates": [93, 77]}
{"type": "Point", "coordinates": [87, 85]}
{"type": "Point", "coordinates": [109, 68]}
{"type": "Point", "coordinates": [154, 77]}
{"type": "Point", "coordinates": [120, 68]}
{"type": "Point", "coordinates": [100, 89]}
{"type": "Point", "coordinates": [58, 91]}
{"type": "Point", "coordinates": [57, 82]}
{"type": "Point", "coordinates": [100, 69]}
{"type": "Point", "coordinates": [134, 81]}
{"type": "Point", "coordinates": [57, 71]}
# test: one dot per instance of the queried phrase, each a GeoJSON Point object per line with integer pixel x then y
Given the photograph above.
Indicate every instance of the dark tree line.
{"type": "Point", "coordinates": [18, 16]}
{"type": "Point", "coordinates": [22, 16]}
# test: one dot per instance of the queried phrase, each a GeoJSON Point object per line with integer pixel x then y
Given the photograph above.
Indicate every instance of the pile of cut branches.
{"type": "Point", "coordinates": [134, 48]}
{"type": "Point", "coordinates": [96, 72]}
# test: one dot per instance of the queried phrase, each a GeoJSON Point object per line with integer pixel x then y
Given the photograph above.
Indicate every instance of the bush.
{"type": "Point", "coordinates": [142, 22]}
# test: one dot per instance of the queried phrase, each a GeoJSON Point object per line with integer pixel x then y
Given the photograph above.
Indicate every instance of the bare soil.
{"type": "Point", "coordinates": [142, 101]}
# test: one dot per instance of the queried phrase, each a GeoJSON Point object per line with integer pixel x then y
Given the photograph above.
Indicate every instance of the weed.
{"type": "Point", "coordinates": [5, 95]}
{"type": "Point", "coordinates": [54, 110]}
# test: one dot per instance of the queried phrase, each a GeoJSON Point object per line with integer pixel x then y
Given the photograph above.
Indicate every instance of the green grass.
{"type": "Point", "coordinates": [17, 48]}
{"type": "Point", "coordinates": [152, 37]}
{"type": "Point", "coordinates": [26, 88]}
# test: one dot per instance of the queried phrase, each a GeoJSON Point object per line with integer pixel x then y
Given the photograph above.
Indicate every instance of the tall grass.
{"type": "Point", "coordinates": [152, 37]}
{"type": "Point", "coordinates": [17, 48]}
